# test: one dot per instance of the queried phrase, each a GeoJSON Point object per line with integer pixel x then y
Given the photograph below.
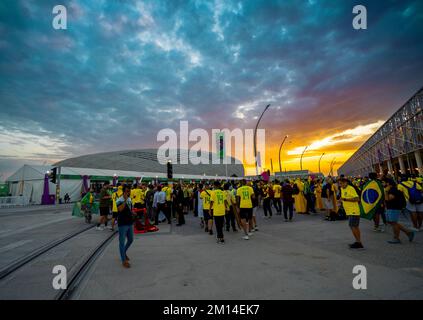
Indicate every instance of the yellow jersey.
{"type": "Point", "coordinates": [116, 195]}
{"type": "Point", "coordinates": [137, 196]}
{"type": "Point", "coordinates": [218, 199]}
{"type": "Point", "coordinates": [168, 192]}
{"type": "Point", "coordinates": [277, 190]}
{"type": "Point", "coordinates": [205, 195]}
{"type": "Point", "coordinates": [230, 197]}
{"type": "Point", "coordinates": [245, 193]}
{"type": "Point", "coordinates": [351, 208]}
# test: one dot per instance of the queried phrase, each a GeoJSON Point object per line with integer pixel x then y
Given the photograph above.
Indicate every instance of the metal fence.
{"type": "Point", "coordinates": [11, 202]}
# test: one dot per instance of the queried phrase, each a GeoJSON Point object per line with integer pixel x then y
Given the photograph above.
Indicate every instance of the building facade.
{"type": "Point", "coordinates": [396, 147]}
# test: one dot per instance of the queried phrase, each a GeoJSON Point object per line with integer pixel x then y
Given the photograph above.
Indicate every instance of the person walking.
{"type": "Point", "coordinates": [277, 197]}
{"type": "Point", "coordinates": [267, 201]}
{"type": "Point", "coordinates": [105, 199]}
{"type": "Point", "coordinates": [395, 203]}
{"type": "Point", "coordinates": [125, 225]}
{"type": "Point", "coordinates": [219, 205]}
{"type": "Point", "coordinates": [208, 216]}
{"type": "Point", "coordinates": [149, 198]}
{"type": "Point", "coordinates": [288, 201]}
{"type": "Point", "coordinates": [244, 198]}
{"type": "Point", "coordinates": [412, 191]}
{"type": "Point", "coordinates": [230, 216]}
{"type": "Point", "coordinates": [179, 202]}
{"type": "Point", "coordinates": [116, 194]}
{"type": "Point", "coordinates": [159, 205]}
{"type": "Point", "coordinates": [350, 202]}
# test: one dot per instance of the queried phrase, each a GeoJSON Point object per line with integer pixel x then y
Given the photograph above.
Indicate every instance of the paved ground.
{"type": "Point", "coordinates": [305, 259]}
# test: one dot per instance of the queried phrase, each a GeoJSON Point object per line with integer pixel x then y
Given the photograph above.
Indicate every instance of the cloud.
{"type": "Point", "coordinates": [358, 133]}
{"type": "Point", "coordinates": [123, 70]}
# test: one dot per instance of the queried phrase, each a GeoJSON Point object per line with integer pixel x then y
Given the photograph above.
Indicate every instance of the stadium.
{"type": "Point", "coordinates": [74, 176]}
{"type": "Point", "coordinates": [146, 161]}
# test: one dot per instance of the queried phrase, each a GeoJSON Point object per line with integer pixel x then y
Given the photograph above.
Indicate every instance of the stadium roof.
{"type": "Point", "coordinates": [146, 161]}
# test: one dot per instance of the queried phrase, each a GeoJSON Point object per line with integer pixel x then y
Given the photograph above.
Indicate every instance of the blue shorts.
{"type": "Point", "coordinates": [392, 215]}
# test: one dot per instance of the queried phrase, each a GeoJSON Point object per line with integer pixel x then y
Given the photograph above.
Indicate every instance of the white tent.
{"type": "Point", "coordinates": [28, 182]}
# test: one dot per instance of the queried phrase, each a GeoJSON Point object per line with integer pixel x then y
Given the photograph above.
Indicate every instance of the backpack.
{"type": "Point", "coordinates": [295, 189]}
{"type": "Point", "coordinates": [401, 199]}
{"type": "Point", "coordinates": [415, 195]}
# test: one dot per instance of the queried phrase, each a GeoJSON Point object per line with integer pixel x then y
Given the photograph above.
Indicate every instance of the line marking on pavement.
{"type": "Point", "coordinates": [14, 245]}
{"type": "Point", "coordinates": [34, 226]}
{"type": "Point", "coordinates": [5, 230]}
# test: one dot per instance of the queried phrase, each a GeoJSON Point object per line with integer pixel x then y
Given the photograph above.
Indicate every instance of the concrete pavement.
{"type": "Point", "coordinates": [305, 259]}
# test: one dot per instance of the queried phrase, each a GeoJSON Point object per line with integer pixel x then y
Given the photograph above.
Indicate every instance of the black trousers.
{"type": "Point", "coordinates": [267, 206]}
{"type": "Point", "coordinates": [161, 207]}
{"type": "Point", "coordinates": [180, 212]}
{"type": "Point", "coordinates": [169, 210]}
{"type": "Point", "coordinates": [277, 204]}
{"type": "Point", "coordinates": [288, 206]}
{"type": "Point", "coordinates": [230, 219]}
{"type": "Point", "coordinates": [219, 222]}
{"type": "Point", "coordinates": [311, 202]}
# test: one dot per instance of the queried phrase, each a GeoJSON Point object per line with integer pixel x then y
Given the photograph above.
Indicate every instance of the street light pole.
{"type": "Point", "coordinates": [255, 136]}
{"type": "Point", "coordinates": [280, 149]}
{"type": "Point", "coordinates": [321, 160]}
{"type": "Point", "coordinates": [301, 159]}
{"type": "Point", "coordinates": [331, 166]}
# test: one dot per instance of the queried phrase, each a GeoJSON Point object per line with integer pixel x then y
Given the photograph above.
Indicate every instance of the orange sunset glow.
{"type": "Point", "coordinates": [337, 148]}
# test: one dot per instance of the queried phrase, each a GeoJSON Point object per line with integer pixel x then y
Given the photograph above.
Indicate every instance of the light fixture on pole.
{"type": "Point", "coordinates": [280, 149]}
{"type": "Point", "coordinates": [301, 158]}
{"type": "Point", "coordinates": [320, 171]}
{"type": "Point", "coordinates": [255, 136]}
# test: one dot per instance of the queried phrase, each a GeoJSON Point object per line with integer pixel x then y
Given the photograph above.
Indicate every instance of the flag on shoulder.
{"type": "Point", "coordinates": [372, 197]}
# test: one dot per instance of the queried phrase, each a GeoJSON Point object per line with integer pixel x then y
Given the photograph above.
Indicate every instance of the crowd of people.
{"type": "Point", "coordinates": [233, 205]}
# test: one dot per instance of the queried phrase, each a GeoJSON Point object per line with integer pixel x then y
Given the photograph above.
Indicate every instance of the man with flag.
{"type": "Point", "coordinates": [350, 202]}
{"type": "Point", "coordinates": [372, 199]}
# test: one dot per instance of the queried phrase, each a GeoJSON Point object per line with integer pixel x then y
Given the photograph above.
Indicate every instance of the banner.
{"type": "Point", "coordinates": [220, 148]}
{"type": "Point", "coordinates": [372, 198]}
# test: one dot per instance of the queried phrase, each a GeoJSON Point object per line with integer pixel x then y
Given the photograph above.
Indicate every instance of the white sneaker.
{"type": "Point", "coordinates": [250, 234]}
{"type": "Point", "coordinates": [109, 227]}
{"type": "Point", "coordinates": [245, 238]}
{"type": "Point", "coordinates": [255, 229]}
{"type": "Point", "coordinates": [99, 228]}
{"type": "Point", "coordinates": [414, 229]}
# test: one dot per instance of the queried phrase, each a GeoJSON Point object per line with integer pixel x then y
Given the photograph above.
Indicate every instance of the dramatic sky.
{"type": "Point", "coordinates": [123, 70]}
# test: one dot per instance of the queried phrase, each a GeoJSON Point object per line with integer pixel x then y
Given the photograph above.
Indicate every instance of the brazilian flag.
{"type": "Point", "coordinates": [372, 197]}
